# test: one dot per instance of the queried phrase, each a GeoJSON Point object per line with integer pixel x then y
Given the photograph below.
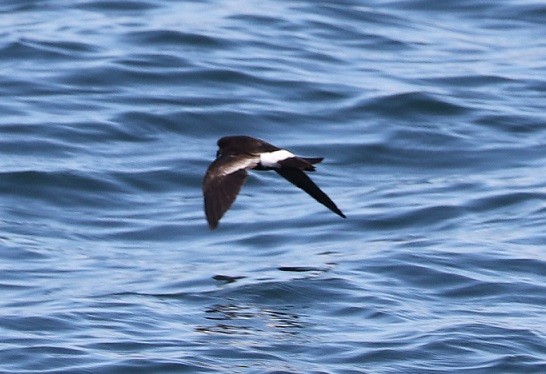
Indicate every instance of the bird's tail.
{"type": "Point", "coordinates": [302, 163]}
{"type": "Point", "coordinates": [313, 160]}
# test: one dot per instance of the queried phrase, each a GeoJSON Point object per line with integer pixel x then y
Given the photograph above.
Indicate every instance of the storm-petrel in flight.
{"type": "Point", "coordinates": [236, 154]}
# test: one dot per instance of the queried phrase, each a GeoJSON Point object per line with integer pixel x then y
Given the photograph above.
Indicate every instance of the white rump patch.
{"type": "Point", "coordinates": [271, 159]}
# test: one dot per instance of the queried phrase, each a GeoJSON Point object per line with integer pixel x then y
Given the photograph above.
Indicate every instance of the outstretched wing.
{"type": "Point", "coordinates": [222, 183]}
{"type": "Point", "coordinates": [301, 180]}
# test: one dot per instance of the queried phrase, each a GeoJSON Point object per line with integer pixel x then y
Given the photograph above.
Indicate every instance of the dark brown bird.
{"type": "Point", "coordinates": [236, 154]}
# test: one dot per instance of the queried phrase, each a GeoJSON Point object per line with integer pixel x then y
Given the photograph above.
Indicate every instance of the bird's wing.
{"type": "Point", "coordinates": [222, 183]}
{"type": "Point", "coordinates": [301, 180]}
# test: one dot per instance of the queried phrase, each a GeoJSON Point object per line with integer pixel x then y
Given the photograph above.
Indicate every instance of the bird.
{"type": "Point", "coordinates": [226, 175]}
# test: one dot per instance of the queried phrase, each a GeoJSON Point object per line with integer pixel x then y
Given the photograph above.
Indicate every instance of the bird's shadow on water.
{"type": "Point", "coordinates": [250, 319]}
{"type": "Point", "coordinates": [265, 307]}
{"type": "Point", "coordinates": [241, 306]}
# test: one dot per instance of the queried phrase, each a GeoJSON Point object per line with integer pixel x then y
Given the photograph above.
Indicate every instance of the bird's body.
{"type": "Point", "coordinates": [237, 154]}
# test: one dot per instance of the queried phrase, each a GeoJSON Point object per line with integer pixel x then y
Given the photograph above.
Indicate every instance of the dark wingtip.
{"type": "Point", "coordinates": [337, 211]}
{"type": "Point", "coordinates": [213, 224]}
{"type": "Point", "coordinates": [211, 219]}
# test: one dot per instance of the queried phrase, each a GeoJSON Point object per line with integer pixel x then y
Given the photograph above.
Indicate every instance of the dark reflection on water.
{"type": "Point", "coordinates": [245, 319]}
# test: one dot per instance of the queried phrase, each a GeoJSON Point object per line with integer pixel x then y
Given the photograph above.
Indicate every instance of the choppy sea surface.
{"type": "Point", "coordinates": [431, 116]}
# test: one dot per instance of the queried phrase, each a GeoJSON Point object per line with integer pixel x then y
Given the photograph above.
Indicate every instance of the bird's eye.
{"type": "Point", "coordinates": [217, 153]}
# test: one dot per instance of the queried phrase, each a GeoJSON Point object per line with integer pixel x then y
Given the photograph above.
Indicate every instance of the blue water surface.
{"type": "Point", "coordinates": [431, 117]}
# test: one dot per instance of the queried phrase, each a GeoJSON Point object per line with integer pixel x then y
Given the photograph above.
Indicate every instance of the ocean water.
{"type": "Point", "coordinates": [431, 117]}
